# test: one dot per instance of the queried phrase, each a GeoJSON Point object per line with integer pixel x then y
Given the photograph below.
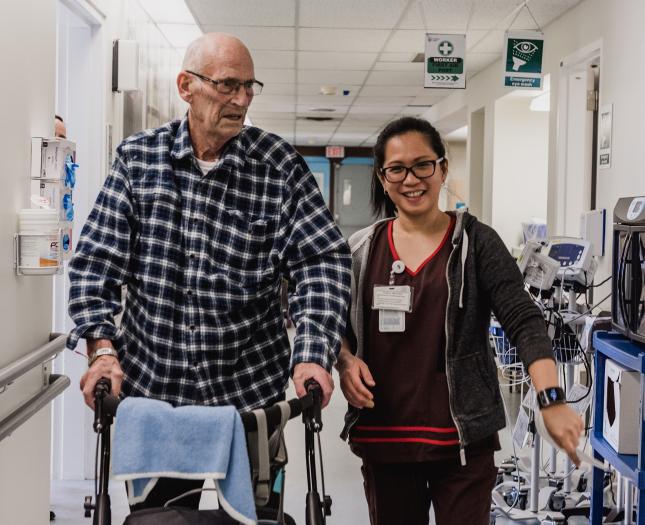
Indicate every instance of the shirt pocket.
{"type": "Point", "coordinates": [246, 244]}
{"type": "Point", "coordinates": [159, 224]}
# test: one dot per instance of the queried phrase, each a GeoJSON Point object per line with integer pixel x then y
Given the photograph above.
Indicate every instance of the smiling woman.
{"type": "Point", "coordinates": [415, 364]}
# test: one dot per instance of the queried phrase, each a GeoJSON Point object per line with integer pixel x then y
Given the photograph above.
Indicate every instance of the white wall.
{"type": "Point", "coordinates": [457, 172]}
{"type": "Point", "coordinates": [27, 38]}
{"type": "Point", "coordinates": [520, 167]}
{"type": "Point", "coordinates": [618, 25]}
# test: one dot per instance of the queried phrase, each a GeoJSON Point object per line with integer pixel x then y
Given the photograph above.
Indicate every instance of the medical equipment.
{"type": "Point", "coordinates": [577, 264]}
{"type": "Point", "coordinates": [539, 271]}
{"type": "Point", "coordinates": [628, 282]}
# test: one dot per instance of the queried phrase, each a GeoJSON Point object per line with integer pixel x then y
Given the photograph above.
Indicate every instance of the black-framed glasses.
{"type": "Point", "coordinates": [421, 170]}
{"type": "Point", "coordinates": [230, 86]}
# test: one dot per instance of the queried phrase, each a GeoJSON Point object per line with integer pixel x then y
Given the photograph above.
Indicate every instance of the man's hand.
{"type": "Point", "coordinates": [304, 371]}
{"type": "Point", "coordinates": [565, 427]}
{"type": "Point", "coordinates": [354, 376]}
{"type": "Point", "coordinates": [104, 366]}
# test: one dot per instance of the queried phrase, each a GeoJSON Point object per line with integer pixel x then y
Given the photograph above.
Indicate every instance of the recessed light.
{"type": "Point", "coordinates": [328, 90]}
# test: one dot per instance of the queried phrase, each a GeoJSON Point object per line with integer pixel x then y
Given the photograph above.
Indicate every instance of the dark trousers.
{"type": "Point", "coordinates": [403, 492]}
{"type": "Point", "coordinates": [167, 488]}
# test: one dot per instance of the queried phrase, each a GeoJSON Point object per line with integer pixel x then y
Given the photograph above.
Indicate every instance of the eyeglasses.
{"type": "Point", "coordinates": [421, 170]}
{"type": "Point", "coordinates": [230, 86]}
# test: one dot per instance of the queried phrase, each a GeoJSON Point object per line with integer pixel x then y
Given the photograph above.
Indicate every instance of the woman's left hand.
{"type": "Point", "coordinates": [565, 427]}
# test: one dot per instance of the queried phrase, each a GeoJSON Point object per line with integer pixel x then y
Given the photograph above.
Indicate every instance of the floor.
{"type": "Point", "coordinates": [341, 467]}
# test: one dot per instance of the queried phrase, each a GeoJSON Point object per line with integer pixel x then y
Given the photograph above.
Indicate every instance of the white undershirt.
{"type": "Point", "coordinates": [205, 165]}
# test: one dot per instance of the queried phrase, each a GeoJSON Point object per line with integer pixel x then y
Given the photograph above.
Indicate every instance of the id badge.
{"type": "Point", "coordinates": [397, 298]}
{"type": "Point", "coordinates": [391, 321]}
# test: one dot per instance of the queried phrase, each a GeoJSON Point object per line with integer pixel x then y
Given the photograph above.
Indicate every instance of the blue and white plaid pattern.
{"type": "Point", "coordinates": [202, 258]}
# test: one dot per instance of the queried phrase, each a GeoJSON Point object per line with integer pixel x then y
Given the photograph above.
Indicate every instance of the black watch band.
{"type": "Point", "coordinates": [551, 396]}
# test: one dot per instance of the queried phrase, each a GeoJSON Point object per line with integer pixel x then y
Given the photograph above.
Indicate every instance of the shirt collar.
{"type": "Point", "coordinates": [182, 146]}
{"type": "Point", "coordinates": [233, 152]}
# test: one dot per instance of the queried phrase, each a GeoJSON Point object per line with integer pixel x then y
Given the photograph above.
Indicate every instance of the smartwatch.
{"type": "Point", "coordinates": [104, 350]}
{"type": "Point", "coordinates": [551, 396]}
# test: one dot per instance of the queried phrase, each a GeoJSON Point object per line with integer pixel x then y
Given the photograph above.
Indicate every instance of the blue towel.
{"type": "Point", "coordinates": [153, 440]}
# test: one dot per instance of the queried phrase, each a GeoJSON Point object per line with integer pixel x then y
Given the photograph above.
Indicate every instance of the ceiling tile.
{"type": "Point", "coordinates": [365, 116]}
{"type": "Point", "coordinates": [324, 100]}
{"type": "Point", "coordinates": [275, 76]}
{"type": "Point", "coordinates": [358, 40]}
{"type": "Point", "coordinates": [393, 91]}
{"type": "Point", "coordinates": [274, 59]}
{"type": "Point", "coordinates": [399, 66]}
{"type": "Point", "coordinates": [399, 57]}
{"type": "Point", "coordinates": [331, 77]}
{"type": "Point", "coordinates": [336, 61]}
{"type": "Point", "coordinates": [264, 38]}
{"type": "Point", "coordinates": [278, 89]}
{"type": "Point", "coordinates": [404, 41]}
{"type": "Point", "coordinates": [247, 13]}
{"type": "Point", "coordinates": [437, 15]}
{"type": "Point", "coordinates": [393, 101]}
{"type": "Point", "coordinates": [396, 78]}
{"type": "Point", "coordinates": [379, 14]}
{"type": "Point", "coordinates": [492, 42]}
{"type": "Point", "coordinates": [271, 115]}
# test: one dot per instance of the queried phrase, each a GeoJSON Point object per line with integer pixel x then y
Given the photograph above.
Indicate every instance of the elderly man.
{"type": "Point", "coordinates": [201, 219]}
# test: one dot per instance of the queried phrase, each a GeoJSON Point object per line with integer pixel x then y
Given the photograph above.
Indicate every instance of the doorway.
{"type": "Point", "coordinates": [352, 190]}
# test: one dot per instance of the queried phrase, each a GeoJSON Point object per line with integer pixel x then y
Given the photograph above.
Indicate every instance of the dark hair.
{"type": "Point", "coordinates": [382, 205]}
{"type": "Point", "coordinates": [58, 117]}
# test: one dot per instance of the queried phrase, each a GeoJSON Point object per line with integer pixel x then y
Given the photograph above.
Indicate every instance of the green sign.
{"type": "Point", "coordinates": [522, 82]}
{"type": "Point", "coordinates": [445, 54]}
{"type": "Point", "coordinates": [446, 65]}
{"type": "Point", "coordinates": [524, 55]}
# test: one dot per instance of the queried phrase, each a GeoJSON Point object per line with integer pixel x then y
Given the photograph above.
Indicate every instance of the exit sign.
{"type": "Point", "coordinates": [335, 152]}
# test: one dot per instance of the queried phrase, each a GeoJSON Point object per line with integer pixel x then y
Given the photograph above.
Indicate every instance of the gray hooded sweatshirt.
{"type": "Point", "coordinates": [482, 277]}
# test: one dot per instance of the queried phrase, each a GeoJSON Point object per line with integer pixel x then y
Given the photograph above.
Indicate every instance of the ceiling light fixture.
{"type": "Point", "coordinates": [328, 90]}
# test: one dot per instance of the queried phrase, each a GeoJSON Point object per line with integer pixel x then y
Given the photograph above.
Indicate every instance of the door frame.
{"type": "Point", "coordinates": [582, 58]}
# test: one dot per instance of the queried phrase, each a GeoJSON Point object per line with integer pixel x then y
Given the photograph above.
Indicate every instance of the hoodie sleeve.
{"type": "Point", "coordinates": [502, 281]}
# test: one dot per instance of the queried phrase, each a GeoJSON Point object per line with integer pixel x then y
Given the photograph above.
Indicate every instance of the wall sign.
{"type": "Point", "coordinates": [605, 117]}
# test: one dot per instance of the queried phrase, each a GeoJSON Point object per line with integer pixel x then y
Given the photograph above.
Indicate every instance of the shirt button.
{"type": "Point", "coordinates": [192, 255]}
{"type": "Point", "coordinates": [196, 364]}
{"type": "Point", "coordinates": [192, 327]}
{"type": "Point", "coordinates": [189, 292]}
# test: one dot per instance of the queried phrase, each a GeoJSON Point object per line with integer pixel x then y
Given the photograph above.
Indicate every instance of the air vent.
{"type": "Point", "coordinates": [419, 58]}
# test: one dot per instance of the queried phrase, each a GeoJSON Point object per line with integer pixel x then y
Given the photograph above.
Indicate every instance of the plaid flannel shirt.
{"type": "Point", "coordinates": [203, 258]}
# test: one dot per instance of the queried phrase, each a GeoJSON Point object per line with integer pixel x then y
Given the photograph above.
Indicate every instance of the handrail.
{"type": "Point", "coordinates": [14, 370]}
{"type": "Point", "coordinates": [57, 383]}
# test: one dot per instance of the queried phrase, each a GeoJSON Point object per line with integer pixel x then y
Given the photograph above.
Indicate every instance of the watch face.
{"type": "Point", "coordinates": [553, 394]}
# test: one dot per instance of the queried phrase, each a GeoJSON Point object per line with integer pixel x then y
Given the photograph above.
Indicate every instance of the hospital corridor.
{"type": "Point", "coordinates": [322, 262]}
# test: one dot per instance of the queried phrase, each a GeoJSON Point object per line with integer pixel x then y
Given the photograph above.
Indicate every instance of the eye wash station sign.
{"type": "Point", "coordinates": [523, 59]}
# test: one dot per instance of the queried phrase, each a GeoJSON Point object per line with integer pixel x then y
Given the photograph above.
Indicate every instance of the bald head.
{"type": "Point", "coordinates": [212, 49]}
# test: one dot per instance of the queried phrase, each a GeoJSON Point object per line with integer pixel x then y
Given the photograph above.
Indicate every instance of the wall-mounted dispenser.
{"type": "Point", "coordinates": [44, 238]}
